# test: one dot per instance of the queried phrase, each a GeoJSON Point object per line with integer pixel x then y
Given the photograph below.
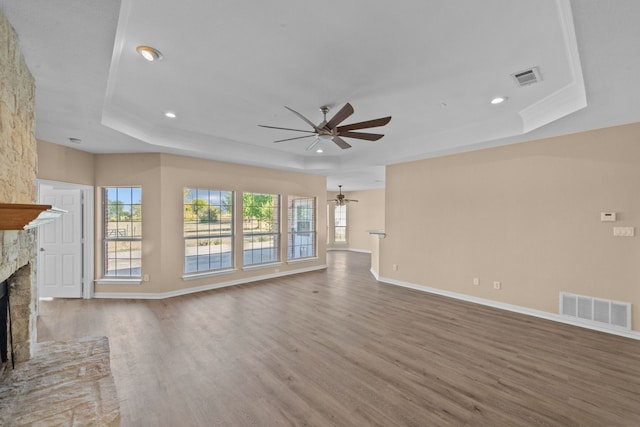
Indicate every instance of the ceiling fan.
{"type": "Point", "coordinates": [340, 200]}
{"type": "Point", "coordinates": [329, 130]}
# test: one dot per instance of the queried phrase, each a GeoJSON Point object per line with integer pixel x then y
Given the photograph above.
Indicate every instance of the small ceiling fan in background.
{"type": "Point", "coordinates": [340, 199]}
{"type": "Point", "coordinates": [329, 130]}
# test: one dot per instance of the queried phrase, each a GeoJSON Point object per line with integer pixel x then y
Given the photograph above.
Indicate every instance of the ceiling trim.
{"type": "Point", "coordinates": [571, 97]}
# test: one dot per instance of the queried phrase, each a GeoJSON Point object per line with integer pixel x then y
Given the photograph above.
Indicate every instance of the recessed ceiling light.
{"type": "Point", "coordinates": [170, 114]}
{"type": "Point", "coordinates": [498, 100]}
{"type": "Point", "coordinates": [149, 53]}
{"type": "Point", "coordinates": [319, 150]}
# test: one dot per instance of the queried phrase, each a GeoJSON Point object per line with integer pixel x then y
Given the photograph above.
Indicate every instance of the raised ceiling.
{"type": "Point", "coordinates": [227, 66]}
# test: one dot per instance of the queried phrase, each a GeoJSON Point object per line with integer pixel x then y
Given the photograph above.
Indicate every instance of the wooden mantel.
{"type": "Point", "coordinates": [16, 216]}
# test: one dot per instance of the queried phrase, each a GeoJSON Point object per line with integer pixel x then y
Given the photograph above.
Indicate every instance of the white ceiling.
{"type": "Point", "coordinates": [227, 67]}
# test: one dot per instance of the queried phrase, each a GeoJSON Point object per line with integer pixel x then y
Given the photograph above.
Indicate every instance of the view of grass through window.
{"type": "Point", "coordinates": [208, 230]}
{"type": "Point", "coordinates": [340, 224]}
{"type": "Point", "coordinates": [302, 227]}
{"type": "Point", "coordinates": [122, 231]}
{"type": "Point", "coordinates": [261, 228]}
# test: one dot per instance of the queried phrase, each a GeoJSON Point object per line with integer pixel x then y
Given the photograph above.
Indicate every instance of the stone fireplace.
{"type": "Point", "coordinates": [63, 383]}
{"type": "Point", "coordinates": [18, 165]}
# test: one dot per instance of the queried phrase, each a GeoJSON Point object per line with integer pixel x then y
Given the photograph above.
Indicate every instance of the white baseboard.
{"type": "Point", "coordinates": [364, 251]}
{"type": "Point", "coordinates": [186, 291]}
{"type": "Point", "coordinates": [514, 308]}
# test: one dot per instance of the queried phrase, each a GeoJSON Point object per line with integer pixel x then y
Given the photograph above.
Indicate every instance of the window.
{"type": "Point", "coordinates": [340, 224]}
{"type": "Point", "coordinates": [261, 228]}
{"type": "Point", "coordinates": [302, 227]}
{"type": "Point", "coordinates": [208, 230]}
{"type": "Point", "coordinates": [122, 213]}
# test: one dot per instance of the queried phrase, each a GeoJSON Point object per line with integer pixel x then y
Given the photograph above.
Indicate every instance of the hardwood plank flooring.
{"type": "Point", "coordinates": [337, 348]}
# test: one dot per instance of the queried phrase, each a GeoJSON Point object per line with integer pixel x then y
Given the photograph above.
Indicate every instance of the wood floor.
{"type": "Point", "coordinates": [336, 347]}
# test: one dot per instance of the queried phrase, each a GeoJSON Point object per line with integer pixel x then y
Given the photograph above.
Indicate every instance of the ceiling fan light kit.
{"type": "Point", "coordinates": [340, 199]}
{"type": "Point", "coordinates": [330, 131]}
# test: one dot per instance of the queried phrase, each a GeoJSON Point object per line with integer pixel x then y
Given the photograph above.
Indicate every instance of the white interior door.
{"type": "Point", "coordinates": [60, 246]}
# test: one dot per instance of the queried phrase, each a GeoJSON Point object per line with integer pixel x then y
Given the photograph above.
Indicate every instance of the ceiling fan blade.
{"type": "Point", "coordinates": [313, 144]}
{"type": "Point", "coordinates": [302, 117]}
{"type": "Point", "coordinates": [275, 127]}
{"type": "Point", "coordinates": [341, 142]}
{"type": "Point", "coordinates": [350, 200]}
{"type": "Point", "coordinates": [291, 139]}
{"type": "Point", "coordinates": [344, 112]}
{"type": "Point", "coordinates": [368, 124]}
{"type": "Point", "coordinates": [361, 135]}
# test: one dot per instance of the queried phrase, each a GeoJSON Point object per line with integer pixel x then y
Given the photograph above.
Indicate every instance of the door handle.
{"type": "Point", "coordinates": [41, 249]}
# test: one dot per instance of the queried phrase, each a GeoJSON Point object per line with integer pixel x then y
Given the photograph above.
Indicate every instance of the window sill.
{"type": "Point", "coordinates": [301, 260]}
{"type": "Point", "coordinates": [195, 276]}
{"type": "Point", "coordinates": [259, 266]}
{"type": "Point", "coordinates": [116, 281]}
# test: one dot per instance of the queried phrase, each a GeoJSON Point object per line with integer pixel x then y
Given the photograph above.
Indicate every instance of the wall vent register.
{"type": "Point", "coordinates": [601, 311]}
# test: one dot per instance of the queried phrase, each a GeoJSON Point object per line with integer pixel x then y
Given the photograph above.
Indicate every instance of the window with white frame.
{"type": "Point", "coordinates": [261, 228]}
{"type": "Point", "coordinates": [122, 231]}
{"type": "Point", "coordinates": [340, 224]}
{"type": "Point", "coordinates": [208, 230]}
{"type": "Point", "coordinates": [302, 227]}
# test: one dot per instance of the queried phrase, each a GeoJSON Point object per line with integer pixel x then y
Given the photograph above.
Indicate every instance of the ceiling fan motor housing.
{"type": "Point", "coordinates": [330, 130]}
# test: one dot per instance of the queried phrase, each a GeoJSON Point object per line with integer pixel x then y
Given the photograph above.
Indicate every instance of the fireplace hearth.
{"type": "Point", "coordinates": [64, 384]}
{"type": "Point", "coordinates": [52, 383]}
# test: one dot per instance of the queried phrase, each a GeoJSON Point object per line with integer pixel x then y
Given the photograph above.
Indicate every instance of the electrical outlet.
{"type": "Point", "coordinates": [145, 278]}
{"type": "Point", "coordinates": [476, 281]}
{"type": "Point", "coordinates": [395, 267]}
{"type": "Point", "coordinates": [497, 285]}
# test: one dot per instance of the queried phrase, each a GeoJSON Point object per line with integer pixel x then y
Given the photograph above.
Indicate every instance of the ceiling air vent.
{"type": "Point", "coordinates": [527, 77]}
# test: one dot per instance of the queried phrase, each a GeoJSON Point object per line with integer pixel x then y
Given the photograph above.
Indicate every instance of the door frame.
{"type": "Point", "coordinates": [87, 194]}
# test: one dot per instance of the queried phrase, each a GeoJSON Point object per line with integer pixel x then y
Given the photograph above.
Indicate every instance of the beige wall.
{"type": "Point", "coordinates": [144, 170]}
{"type": "Point", "coordinates": [163, 178]}
{"type": "Point", "coordinates": [367, 214]}
{"type": "Point", "coordinates": [527, 215]}
{"type": "Point", "coordinates": [181, 172]}
{"type": "Point", "coordinates": [65, 164]}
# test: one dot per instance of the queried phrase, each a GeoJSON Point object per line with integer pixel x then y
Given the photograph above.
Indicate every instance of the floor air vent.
{"type": "Point", "coordinates": [613, 313]}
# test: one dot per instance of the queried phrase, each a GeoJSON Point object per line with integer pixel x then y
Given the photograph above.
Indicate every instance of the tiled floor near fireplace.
{"type": "Point", "coordinates": [65, 384]}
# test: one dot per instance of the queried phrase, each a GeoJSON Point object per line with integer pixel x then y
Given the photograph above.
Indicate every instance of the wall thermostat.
{"type": "Point", "coordinates": [608, 216]}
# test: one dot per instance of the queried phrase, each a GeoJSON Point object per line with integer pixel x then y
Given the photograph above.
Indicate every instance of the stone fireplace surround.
{"type": "Point", "coordinates": [18, 166]}
{"type": "Point", "coordinates": [22, 290]}
{"type": "Point", "coordinates": [53, 383]}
